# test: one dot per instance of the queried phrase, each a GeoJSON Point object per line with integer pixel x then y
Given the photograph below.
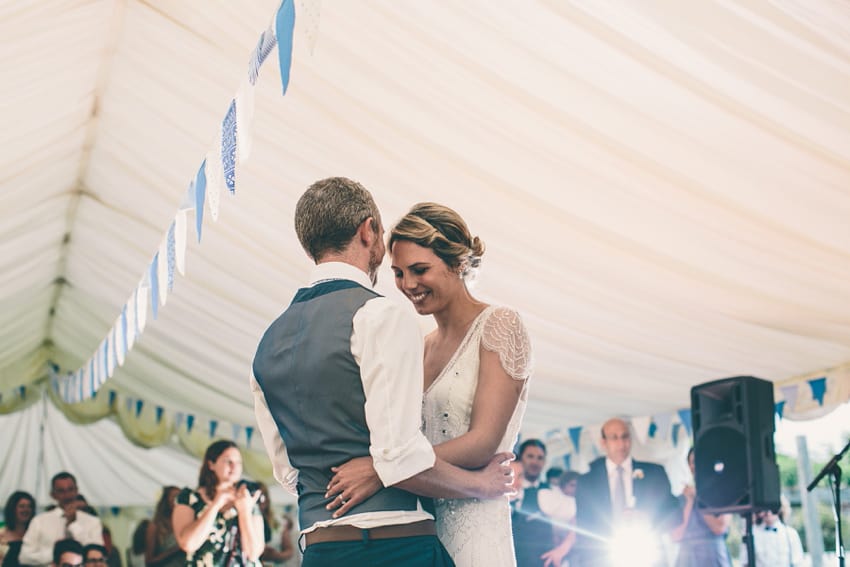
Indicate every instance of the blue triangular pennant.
{"type": "Point", "coordinates": [213, 427]}
{"type": "Point", "coordinates": [575, 436]}
{"type": "Point", "coordinates": [190, 422]}
{"type": "Point", "coordinates": [676, 428]}
{"type": "Point", "coordinates": [653, 429]}
{"type": "Point", "coordinates": [159, 412]}
{"type": "Point", "coordinates": [284, 24]}
{"type": "Point", "coordinates": [780, 408]}
{"type": "Point", "coordinates": [685, 417]}
{"type": "Point", "coordinates": [112, 396]}
{"type": "Point", "coordinates": [818, 386]}
{"type": "Point", "coordinates": [249, 432]}
{"type": "Point", "coordinates": [200, 197]}
{"type": "Point", "coordinates": [139, 404]}
{"type": "Point", "coordinates": [567, 458]}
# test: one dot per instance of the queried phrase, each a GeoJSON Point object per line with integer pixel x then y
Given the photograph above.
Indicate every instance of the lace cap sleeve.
{"type": "Point", "coordinates": [505, 334]}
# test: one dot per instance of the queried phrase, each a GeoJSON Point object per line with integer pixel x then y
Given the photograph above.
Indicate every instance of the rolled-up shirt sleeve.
{"type": "Point", "coordinates": [284, 472]}
{"type": "Point", "coordinates": [387, 344]}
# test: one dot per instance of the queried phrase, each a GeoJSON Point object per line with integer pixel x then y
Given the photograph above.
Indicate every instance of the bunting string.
{"type": "Point", "coordinates": [218, 171]}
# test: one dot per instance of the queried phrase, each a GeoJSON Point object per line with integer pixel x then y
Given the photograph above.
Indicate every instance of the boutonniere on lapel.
{"type": "Point", "coordinates": [637, 474]}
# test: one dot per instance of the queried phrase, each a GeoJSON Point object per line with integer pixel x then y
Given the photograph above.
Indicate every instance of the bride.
{"type": "Point", "coordinates": [477, 364]}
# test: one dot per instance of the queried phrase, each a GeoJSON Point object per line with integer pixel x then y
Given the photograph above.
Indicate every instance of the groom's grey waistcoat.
{"type": "Point", "coordinates": [313, 389]}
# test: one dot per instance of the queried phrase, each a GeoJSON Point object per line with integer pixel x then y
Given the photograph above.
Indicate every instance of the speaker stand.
{"type": "Point", "coordinates": [833, 471]}
{"type": "Point", "coordinates": [748, 538]}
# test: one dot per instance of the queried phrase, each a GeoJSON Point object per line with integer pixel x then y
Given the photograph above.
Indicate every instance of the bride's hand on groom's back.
{"type": "Point", "coordinates": [353, 482]}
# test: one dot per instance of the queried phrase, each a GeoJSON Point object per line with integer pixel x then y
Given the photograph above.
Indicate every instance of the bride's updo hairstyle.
{"type": "Point", "coordinates": [444, 231]}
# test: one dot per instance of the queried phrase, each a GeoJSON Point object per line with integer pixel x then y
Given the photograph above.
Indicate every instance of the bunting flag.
{"type": "Point", "coordinates": [685, 418]}
{"type": "Point", "coordinates": [162, 270]}
{"type": "Point", "coordinates": [228, 147]}
{"type": "Point", "coordinates": [200, 190]}
{"type": "Point", "coordinates": [780, 408]}
{"type": "Point", "coordinates": [790, 395]}
{"type": "Point", "coordinates": [112, 397]}
{"type": "Point", "coordinates": [249, 432]}
{"type": "Point", "coordinates": [171, 255]}
{"type": "Point", "coordinates": [180, 241]}
{"type": "Point", "coordinates": [215, 177]}
{"type": "Point", "coordinates": [818, 386]}
{"type": "Point", "coordinates": [575, 437]}
{"type": "Point", "coordinates": [141, 309]}
{"type": "Point", "coordinates": [159, 412]}
{"type": "Point", "coordinates": [178, 419]}
{"type": "Point", "coordinates": [139, 405]}
{"type": "Point", "coordinates": [236, 431]}
{"type": "Point", "coordinates": [640, 427]}
{"type": "Point", "coordinates": [154, 277]}
{"type": "Point", "coordinates": [662, 423]}
{"type": "Point", "coordinates": [677, 428]}
{"type": "Point", "coordinates": [264, 47]}
{"type": "Point", "coordinates": [284, 24]}
{"type": "Point", "coordinates": [653, 429]}
{"type": "Point", "coordinates": [213, 427]}
{"type": "Point", "coordinates": [244, 117]}
{"type": "Point", "coordinates": [567, 458]}
{"type": "Point", "coordinates": [190, 422]}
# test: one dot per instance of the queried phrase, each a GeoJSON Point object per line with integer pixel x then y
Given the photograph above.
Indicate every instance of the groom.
{"type": "Point", "coordinates": [339, 375]}
{"type": "Point", "coordinates": [617, 491]}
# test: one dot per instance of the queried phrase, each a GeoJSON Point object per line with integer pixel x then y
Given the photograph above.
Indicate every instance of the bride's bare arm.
{"type": "Point", "coordinates": [496, 397]}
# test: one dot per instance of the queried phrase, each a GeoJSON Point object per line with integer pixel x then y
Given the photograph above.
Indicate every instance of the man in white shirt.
{"type": "Point", "coordinates": [339, 376]}
{"type": "Point", "coordinates": [776, 545]}
{"type": "Point", "coordinates": [64, 521]}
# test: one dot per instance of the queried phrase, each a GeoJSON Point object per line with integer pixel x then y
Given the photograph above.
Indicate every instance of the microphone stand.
{"type": "Point", "coordinates": [834, 471]}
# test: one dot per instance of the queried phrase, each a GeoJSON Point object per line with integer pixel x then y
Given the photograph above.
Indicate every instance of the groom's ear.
{"type": "Point", "coordinates": [366, 233]}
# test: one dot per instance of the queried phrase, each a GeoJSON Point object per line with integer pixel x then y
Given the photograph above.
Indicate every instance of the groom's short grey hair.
{"type": "Point", "coordinates": [328, 213]}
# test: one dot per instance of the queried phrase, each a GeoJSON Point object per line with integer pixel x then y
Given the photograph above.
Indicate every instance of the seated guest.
{"type": "Point", "coordinates": [19, 510]}
{"type": "Point", "coordinates": [619, 491]}
{"type": "Point", "coordinates": [94, 555]}
{"type": "Point", "coordinates": [701, 537]}
{"type": "Point", "coordinates": [136, 551]}
{"type": "Point", "coordinates": [62, 521]}
{"type": "Point", "coordinates": [67, 553]}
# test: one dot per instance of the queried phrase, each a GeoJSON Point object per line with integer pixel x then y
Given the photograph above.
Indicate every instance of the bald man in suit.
{"type": "Point", "coordinates": [620, 490]}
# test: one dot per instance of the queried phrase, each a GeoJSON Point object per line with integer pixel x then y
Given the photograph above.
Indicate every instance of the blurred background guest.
{"type": "Point", "coordinates": [701, 537]}
{"type": "Point", "coordinates": [161, 549]}
{"type": "Point", "coordinates": [19, 510]}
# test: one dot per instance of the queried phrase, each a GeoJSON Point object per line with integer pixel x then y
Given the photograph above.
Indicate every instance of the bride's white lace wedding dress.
{"type": "Point", "coordinates": [477, 532]}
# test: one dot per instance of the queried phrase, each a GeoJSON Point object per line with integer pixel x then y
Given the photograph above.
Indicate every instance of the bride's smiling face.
{"type": "Point", "coordinates": [423, 277]}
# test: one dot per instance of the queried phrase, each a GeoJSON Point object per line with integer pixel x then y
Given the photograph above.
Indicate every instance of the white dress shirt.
{"type": "Point", "coordinates": [627, 480]}
{"type": "Point", "coordinates": [49, 527]}
{"type": "Point", "coordinates": [387, 344]}
{"type": "Point", "coordinates": [557, 505]}
{"type": "Point", "coordinates": [776, 546]}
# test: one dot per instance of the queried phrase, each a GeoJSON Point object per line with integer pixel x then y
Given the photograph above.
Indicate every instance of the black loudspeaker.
{"type": "Point", "coordinates": [734, 458]}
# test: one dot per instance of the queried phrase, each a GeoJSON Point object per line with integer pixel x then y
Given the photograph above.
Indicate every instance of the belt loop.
{"type": "Point", "coordinates": [365, 534]}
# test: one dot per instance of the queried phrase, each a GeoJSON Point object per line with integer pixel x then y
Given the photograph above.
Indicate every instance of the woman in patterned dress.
{"type": "Point", "coordinates": [219, 524]}
{"type": "Point", "coordinates": [477, 364]}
